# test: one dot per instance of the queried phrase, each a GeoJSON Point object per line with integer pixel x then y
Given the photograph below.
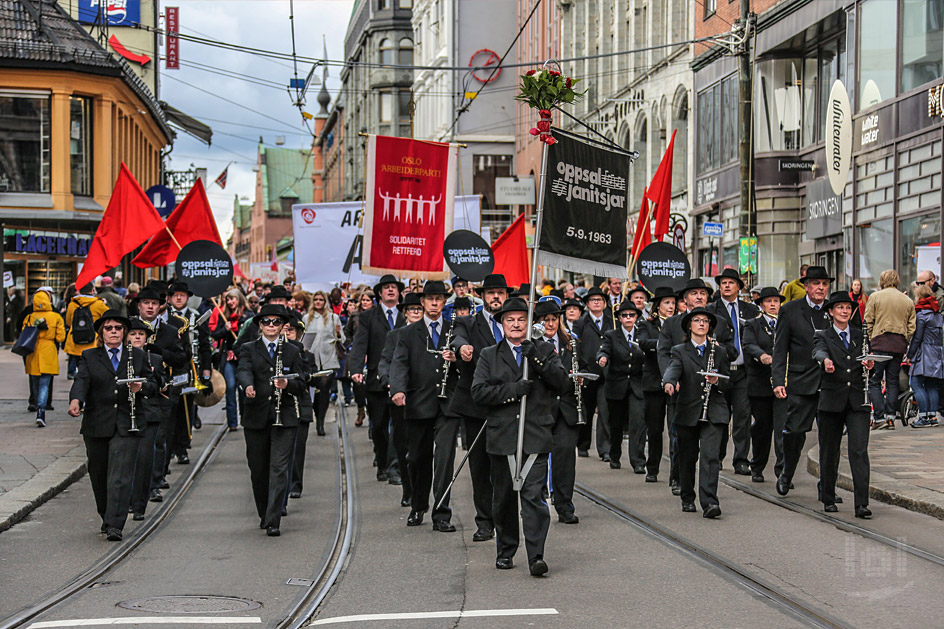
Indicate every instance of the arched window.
{"type": "Point", "coordinates": [406, 52]}
{"type": "Point", "coordinates": [640, 142]}
{"type": "Point", "coordinates": [386, 51]}
{"type": "Point", "coordinates": [680, 154]}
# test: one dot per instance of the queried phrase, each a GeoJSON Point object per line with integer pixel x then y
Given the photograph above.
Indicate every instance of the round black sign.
{"type": "Point", "coordinates": [206, 268]}
{"type": "Point", "coordinates": [662, 264]}
{"type": "Point", "coordinates": [468, 255]}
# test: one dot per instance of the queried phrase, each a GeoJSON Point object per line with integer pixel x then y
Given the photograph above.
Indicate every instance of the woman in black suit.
{"type": "Point", "coordinates": [663, 307]}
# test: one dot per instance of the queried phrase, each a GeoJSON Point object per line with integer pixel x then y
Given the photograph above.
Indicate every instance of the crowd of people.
{"type": "Point", "coordinates": [427, 362]}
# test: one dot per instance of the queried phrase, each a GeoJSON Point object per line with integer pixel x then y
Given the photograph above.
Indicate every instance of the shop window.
{"type": "Point", "coordinates": [920, 246]}
{"type": "Point", "coordinates": [922, 46]}
{"type": "Point", "coordinates": [919, 178]}
{"type": "Point", "coordinates": [832, 67]}
{"type": "Point", "coordinates": [874, 188]}
{"type": "Point", "coordinates": [386, 107]}
{"type": "Point", "coordinates": [386, 52]}
{"type": "Point", "coordinates": [778, 106]}
{"type": "Point", "coordinates": [405, 4]}
{"type": "Point", "coordinates": [80, 145]}
{"type": "Point", "coordinates": [878, 19]}
{"type": "Point", "coordinates": [640, 168]}
{"type": "Point", "coordinates": [680, 151]}
{"type": "Point", "coordinates": [24, 143]}
{"type": "Point", "coordinates": [729, 120]}
{"type": "Point", "coordinates": [717, 117]}
{"type": "Point", "coordinates": [876, 252]}
{"type": "Point", "coordinates": [405, 53]}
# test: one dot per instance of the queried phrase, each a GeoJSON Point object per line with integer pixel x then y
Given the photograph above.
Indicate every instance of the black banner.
{"type": "Point", "coordinates": [583, 225]}
{"type": "Point", "coordinates": [468, 255]}
{"type": "Point", "coordinates": [662, 264]}
{"type": "Point", "coordinates": [205, 267]}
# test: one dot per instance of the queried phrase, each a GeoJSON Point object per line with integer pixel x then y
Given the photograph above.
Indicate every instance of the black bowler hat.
{"type": "Point", "coordinates": [410, 299]}
{"type": "Point", "coordinates": [462, 302]}
{"type": "Point", "coordinates": [662, 292]}
{"type": "Point", "coordinates": [138, 323]}
{"type": "Point", "coordinates": [694, 283]}
{"type": "Point", "coordinates": [277, 292]}
{"type": "Point", "coordinates": [512, 304]}
{"type": "Point", "coordinates": [627, 304]}
{"type": "Point", "coordinates": [523, 291]}
{"type": "Point", "coordinates": [546, 307]}
{"type": "Point", "coordinates": [730, 274]}
{"type": "Point", "coordinates": [179, 287]}
{"type": "Point", "coordinates": [387, 279]}
{"type": "Point", "coordinates": [435, 287]}
{"type": "Point", "coordinates": [766, 293]}
{"type": "Point", "coordinates": [687, 319]}
{"type": "Point", "coordinates": [492, 281]}
{"type": "Point", "coordinates": [838, 297]}
{"type": "Point", "coordinates": [160, 286]}
{"type": "Point", "coordinates": [272, 310]}
{"type": "Point", "coordinates": [295, 320]}
{"type": "Point", "coordinates": [816, 273]}
{"type": "Point", "coordinates": [639, 289]}
{"type": "Point", "coordinates": [112, 315]}
{"type": "Point", "coordinates": [149, 292]}
{"type": "Point", "coordinates": [575, 303]}
{"type": "Point", "coordinates": [594, 292]}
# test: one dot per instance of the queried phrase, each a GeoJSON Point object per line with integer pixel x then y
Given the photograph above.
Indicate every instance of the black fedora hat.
{"type": "Point", "coordinates": [730, 274]}
{"type": "Point", "coordinates": [594, 292]}
{"type": "Point", "coordinates": [838, 297]}
{"type": "Point", "coordinates": [512, 304]}
{"type": "Point", "coordinates": [693, 284]}
{"type": "Point", "coordinates": [662, 292]}
{"type": "Point", "coordinates": [627, 304]}
{"type": "Point", "coordinates": [272, 310]}
{"type": "Point", "coordinates": [149, 292]}
{"type": "Point", "coordinates": [576, 303]}
{"type": "Point", "coordinates": [159, 285]}
{"type": "Point", "coordinates": [523, 291]}
{"type": "Point", "coordinates": [138, 323]}
{"type": "Point", "coordinates": [493, 281]}
{"type": "Point", "coordinates": [295, 320]}
{"type": "Point", "coordinates": [434, 287]}
{"type": "Point", "coordinates": [179, 287]}
{"type": "Point", "coordinates": [277, 292]}
{"type": "Point", "coordinates": [462, 302]}
{"type": "Point", "coordinates": [639, 289]}
{"type": "Point", "coordinates": [816, 273]}
{"type": "Point", "coordinates": [410, 299]}
{"type": "Point", "coordinates": [766, 293]}
{"type": "Point", "coordinates": [388, 279]}
{"type": "Point", "coordinates": [547, 307]}
{"type": "Point", "coordinates": [687, 319]}
{"type": "Point", "coordinates": [112, 315]}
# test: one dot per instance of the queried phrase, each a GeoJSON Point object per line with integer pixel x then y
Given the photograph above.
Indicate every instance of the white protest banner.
{"type": "Point", "coordinates": [328, 244]}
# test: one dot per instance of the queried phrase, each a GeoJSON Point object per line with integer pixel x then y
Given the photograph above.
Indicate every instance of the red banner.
{"type": "Point", "coordinates": [409, 209]}
{"type": "Point", "coordinates": [172, 50]}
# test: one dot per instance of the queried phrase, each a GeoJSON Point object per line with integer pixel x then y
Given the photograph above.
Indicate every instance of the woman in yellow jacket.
{"type": "Point", "coordinates": [43, 363]}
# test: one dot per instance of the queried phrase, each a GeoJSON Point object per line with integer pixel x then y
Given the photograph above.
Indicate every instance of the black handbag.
{"type": "Point", "coordinates": [26, 341]}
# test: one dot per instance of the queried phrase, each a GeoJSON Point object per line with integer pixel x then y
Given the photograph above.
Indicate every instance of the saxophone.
{"type": "Point", "coordinates": [575, 368]}
{"type": "Point", "coordinates": [708, 385]}
{"type": "Point", "coordinates": [278, 392]}
{"type": "Point", "coordinates": [131, 396]}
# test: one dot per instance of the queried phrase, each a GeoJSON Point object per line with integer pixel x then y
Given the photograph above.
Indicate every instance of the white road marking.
{"type": "Point", "coordinates": [470, 613]}
{"type": "Point", "coordinates": [149, 620]}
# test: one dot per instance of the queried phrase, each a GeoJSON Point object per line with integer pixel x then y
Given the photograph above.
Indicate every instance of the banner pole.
{"type": "Point", "coordinates": [518, 480]}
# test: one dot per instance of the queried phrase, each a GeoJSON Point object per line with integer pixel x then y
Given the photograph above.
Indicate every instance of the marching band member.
{"type": "Point", "coordinates": [640, 297]}
{"type": "Point", "coordinates": [293, 332]}
{"type": "Point", "coordinates": [271, 412]}
{"type": "Point", "coordinates": [573, 308]}
{"type": "Point", "coordinates": [152, 409]}
{"type": "Point", "coordinates": [701, 411]}
{"type": "Point", "coordinates": [842, 404]}
{"type": "Point", "coordinates": [178, 296]}
{"type": "Point", "coordinates": [622, 360]}
{"type": "Point", "coordinates": [417, 368]}
{"type": "Point", "coordinates": [498, 385]}
{"type": "Point", "coordinates": [590, 330]}
{"type": "Point", "coordinates": [663, 307]}
{"type": "Point", "coordinates": [769, 412]}
{"type": "Point", "coordinates": [107, 408]}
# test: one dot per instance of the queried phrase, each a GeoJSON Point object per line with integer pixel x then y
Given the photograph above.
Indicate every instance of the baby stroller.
{"type": "Point", "coordinates": [907, 405]}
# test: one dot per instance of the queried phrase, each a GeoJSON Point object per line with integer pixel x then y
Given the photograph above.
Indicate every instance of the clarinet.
{"type": "Point", "coordinates": [442, 386]}
{"type": "Point", "coordinates": [278, 392]}
{"type": "Point", "coordinates": [131, 396]}
{"type": "Point", "coordinates": [866, 350]}
{"type": "Point", "coordinates": [710, 367]}
{"type": "Point", "coordinates": [574, 367]}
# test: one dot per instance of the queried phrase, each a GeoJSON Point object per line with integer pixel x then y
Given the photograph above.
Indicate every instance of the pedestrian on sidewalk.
{"type": "Point", "coordinates": [322, 334]}
{"type": "Point", "coordinates": [926, 356]}
{"type": "Point", "coordinates": [80, 336]}
{"type": "Point", "coordinates": [43, 363]}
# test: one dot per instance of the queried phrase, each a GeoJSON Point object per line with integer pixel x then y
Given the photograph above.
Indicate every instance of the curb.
{"type": "Point", "coordinates": [20, 501]}
{"type": "Point", "coordinates": [884, 488]}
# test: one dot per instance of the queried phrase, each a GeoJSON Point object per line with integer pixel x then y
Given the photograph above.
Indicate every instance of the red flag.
{"type": "Point", "coordinates": [643, 235]}
{"type": "Point", "coordinates": [191, 220]}
{"type": "Point", "coordinates": [221, 180]}
{"type": "Point", "coordinates": [511, 254]}
{"type": "Point", "coordinates": [129, 220]}
{"type": "Point", "coordinates": [238, 272]}
{"type": "Point", "coordinates": [660, 191]}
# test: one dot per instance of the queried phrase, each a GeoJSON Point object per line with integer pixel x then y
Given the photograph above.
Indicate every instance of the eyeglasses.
{"type": "Point", "coordinates": [270, 321]}
{"type": "Point", "coordinates": [627, 315]}
{"type": "Point", "coordinates": [701, 320]}
{"type": "Point", "coordinates": [112, 328]}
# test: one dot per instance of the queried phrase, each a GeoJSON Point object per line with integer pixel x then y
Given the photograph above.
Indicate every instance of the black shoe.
{"type": "Point", "coordinates": [164, 485]}
{"type": "Point", "coordinates": [757, 477]}
{"type": "Point", "coordinates": [676, 488]}
{"type": "Point", "coordinates": [482, 535]}
{"type": "Point", "coordinates": [156, 496]}
{"type": "Point", "coordinates": [415, 519]}
{"type": "Point", "coordinates": [104, 528]}
{"type": "Point", "coordinates": [31, 408]}
{"type": "Point", "coordinates": [537, 567]}
{"type": "Point", "coordinates": [504, 563]}
{"type": "Point", "coordinates": [819, 493]}
{"type": "Point", "coordinates": [783, 486]}
{"type": "Point", "coordinates": [262, 523]}
{"type": "Point", "coordinates": [406, 502]}
{"type": "Point", "coordinates": [137, 517]}
{"type": "Point", "coordinates": [712, 512]}
{"type": "Point", "coordinates": [273, 531]}
{"type": "Point", "coordinates": [233, 428]}
{"type": "Point", "coordinates": [614, 465]}
{"type": "Point", "coordinates": [583, 453]}
{"type": "Point", "coordinates": [688, 507]}
{"type": "Point", "coordinates": [605, 458]}
{"type": "Point", "coordinates": [568, 518]}
{"type": "Point", "coordinates": [113, 534]}
{"type": "Point", "coordinates": [197, 424]}
{"type": "Point", "coordinates": [652, 478]}
{"type": "Point", "coordinates": [295, 494]}
{"type": "Point", "coordinates": [444, 526]}
{"type": "Point", "coordinates": [742, 469]}
{"type": "Point", "coordinates": [863, 512]}
{"type": "Point", "coordinates": [284, 512]}
{"type": "Point", "coordinates": [183, 459]}
{"type": "Point", "coordinates": [394, 480]}
{"type": "Point", "coordinates": [830, 508]}
{"type": "Point", "coordinates": [49, 407]}
{"type": "Point", "coordinates": [321, 432]}
{"type": "Point", "coordinates": [381, 476]}
{"type": "Point", "coordinates": [639, 470]}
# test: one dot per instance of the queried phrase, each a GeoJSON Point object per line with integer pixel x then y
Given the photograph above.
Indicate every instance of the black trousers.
{"type": "Point", "coordinates": [700, 444]}
{"type": "Point", "coordinates": [401, 444]}
{"type": "Point", "coordinates": [535, 515]}
{"type": "Point", "coordinates": [143, 468]}
{"type": "Point", "coordinates": [627, 413]}
{"type": "Point", "coordinates": [480, 471]}
{"type": "Point", "coordinates": [432, 457]}
{"type": "Point", "coordinates": [856, 420]}
{"type": "Point", "coordinates": [801, 412]}
{"type": "Point", "coordinates": [564, 464]}
{"type": "Point", "coordinates": [769, 416]}
{"type": "Point", "coordinates": [378, 414]}
{"type": "Point", "coordinates": [594, 401]}
{"type": "Point", "coordinates": [884, 403]}
{"type": "Point", "coordinates": [324, 388]}
{"type": "Point", "coordinates": [740, 409]}
{"type": "Point", "coordinates": [110, 471]}
{"type": "Point", "coordinates": [298, 459]}
{"type": "Point", "coordinates": [269, 455]}
{"type": "Point", "coordinates": [673, 441]}
{"type": "Point", "coordinates": [178, 441]}
{"type": "Point", "coordinates": [655, 426]}
{"type": "Point", "coordinates": [163, 440]}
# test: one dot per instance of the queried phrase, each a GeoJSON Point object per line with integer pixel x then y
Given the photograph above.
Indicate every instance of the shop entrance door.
{"type": "Point", "coordinates": [832, 260]}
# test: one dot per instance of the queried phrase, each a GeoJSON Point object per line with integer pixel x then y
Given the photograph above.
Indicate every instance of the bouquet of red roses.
{"type": "Point", "coordinates": [542, 90]}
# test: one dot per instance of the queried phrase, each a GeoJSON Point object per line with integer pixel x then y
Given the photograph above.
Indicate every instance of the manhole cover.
{"type": "Point", "coordinates": [190, 604]}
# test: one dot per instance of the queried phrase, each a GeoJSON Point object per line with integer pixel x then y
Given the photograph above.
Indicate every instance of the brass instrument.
{"type": "Point", "coordinates": [278, 392]}
{"type": "Point", "coordinates": [131, 396]}
{"type": "Point", "coordinates": [710, 367]}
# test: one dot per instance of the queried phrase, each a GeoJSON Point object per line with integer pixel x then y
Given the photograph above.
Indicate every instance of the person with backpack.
{"type": "Point", "coordinates": [83, 311]}
{"type": "Point", "coordinates": [43, 363]}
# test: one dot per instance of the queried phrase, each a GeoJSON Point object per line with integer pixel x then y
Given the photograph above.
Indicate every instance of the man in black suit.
{"type": "Point", "coordinates": [732, 312]}
{"type": "Point", "coordinates": [271, 413]}
{"type": "Point", "coordinates": [473, 334]}
{"type": "Point", "coordinates": [842, 404]}
{"type": "Point", "coordinates": [622, 360]}
{"type": "Point", "coordinates": [796, 376]}
{"type": "Point", "coordinates": [110, 442]}
{"type": "Point", "coordinates": [366, 348]}
{"type": "Point", "coordinates": [699, 420]}
{"type": "Point", "coordinates": [590, 329]}
{"type": "Point", "coordinates": [499, 385]}
{"type": "Point", "coordinates": [769, 412]}
{"type": "Point", "coordinates": [178, 297]}
{"type": "Point", "coordinates": [416, 375]}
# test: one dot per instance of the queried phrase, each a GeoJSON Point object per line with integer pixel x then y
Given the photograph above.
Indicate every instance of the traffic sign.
{"type": "Point", "coordinates": [713, 230]}
{"type": "Point", "coordinates": [163, 199]}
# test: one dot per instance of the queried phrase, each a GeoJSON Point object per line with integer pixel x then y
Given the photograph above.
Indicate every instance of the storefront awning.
{"type": "Point", "coordinates": [187, 124]}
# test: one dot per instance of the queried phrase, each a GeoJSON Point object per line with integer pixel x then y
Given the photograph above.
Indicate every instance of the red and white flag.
{"type": "Point", "coordinates": [221, 180]}
{"type": "Point", "coordinates": [410, 204]}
